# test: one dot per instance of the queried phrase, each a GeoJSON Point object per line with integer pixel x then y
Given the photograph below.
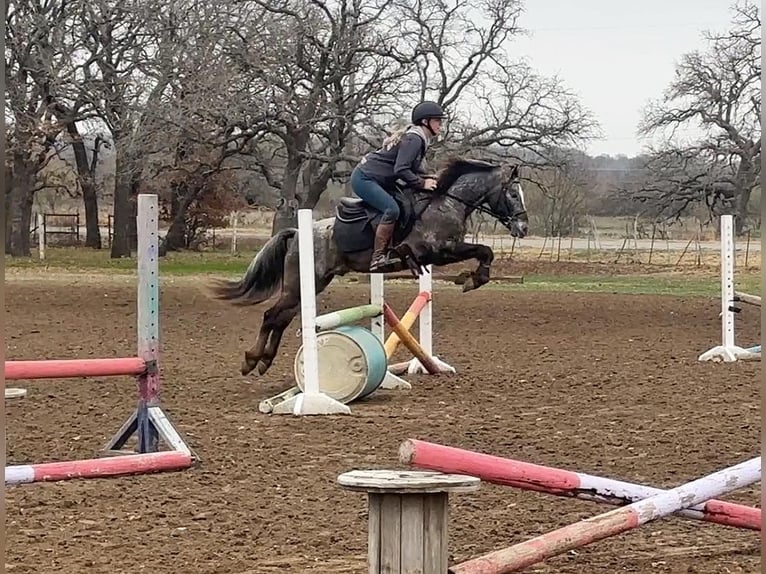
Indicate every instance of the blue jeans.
{"type": "Point", "coordinates": [373, 193]}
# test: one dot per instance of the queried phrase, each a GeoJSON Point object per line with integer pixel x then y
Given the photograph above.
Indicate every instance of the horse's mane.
{"type": "Point", "coordinates": [456, 167]}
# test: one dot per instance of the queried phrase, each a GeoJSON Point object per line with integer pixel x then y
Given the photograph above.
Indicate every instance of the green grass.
{"type": "Point", "coordinates": [225, 264]}
{"type": "Point", "coordinates": [183, 263]}
{"type": "Point", "coordinates": [655, 284]}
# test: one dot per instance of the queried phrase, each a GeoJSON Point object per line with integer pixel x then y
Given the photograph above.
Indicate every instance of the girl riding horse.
{"type": "Point", "coordinates": [400, 158]}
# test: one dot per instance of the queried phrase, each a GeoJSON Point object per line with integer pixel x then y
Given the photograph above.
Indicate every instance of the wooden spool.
{"type": "Point", "coordinates": [408, 517]}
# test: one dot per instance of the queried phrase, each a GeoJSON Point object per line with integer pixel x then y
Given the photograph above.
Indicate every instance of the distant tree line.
{"type": "Point", "coordinates": [216, 105]}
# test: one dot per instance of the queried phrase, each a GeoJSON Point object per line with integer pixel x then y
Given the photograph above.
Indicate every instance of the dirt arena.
{"type": "Point", "coordinates": [600, 383]}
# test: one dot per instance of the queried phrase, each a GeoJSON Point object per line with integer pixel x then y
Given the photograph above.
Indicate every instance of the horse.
{"type": "Point", "coordinates": [431, 230]}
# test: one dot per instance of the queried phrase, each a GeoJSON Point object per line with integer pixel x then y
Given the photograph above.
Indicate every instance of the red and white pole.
{"type": "Point", "coordinates": [565, 483]}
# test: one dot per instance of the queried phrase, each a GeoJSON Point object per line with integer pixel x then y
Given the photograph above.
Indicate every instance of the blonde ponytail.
{"type": "Point", "coordinates": [394, 139]}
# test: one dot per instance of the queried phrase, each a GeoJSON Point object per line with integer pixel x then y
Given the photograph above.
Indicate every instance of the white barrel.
{"type": "Point", "coordinates": [352, 363]}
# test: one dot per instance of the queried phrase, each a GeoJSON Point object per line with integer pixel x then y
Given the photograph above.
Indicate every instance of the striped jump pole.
{"type": "Point", "coordinates": [342, 317]}
{"type": "Point", "coordinates": [148, 422]}
{"type": "Point", "coordinates": [564, 483]}
{"type": "Point", "coordinates": [519, 556]}
{"type": "Point", "coordinates": [409, 341]}
{"type": "Point", "coordinates": [98, 467]}
{"type": "Point", "coordinates": [420, 309]}
{"type": "Point", "coordinates": [407, 321]}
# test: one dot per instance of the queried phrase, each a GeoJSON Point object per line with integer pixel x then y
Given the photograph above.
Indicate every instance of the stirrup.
{"type": "Point", "coordinates": [382, 264]}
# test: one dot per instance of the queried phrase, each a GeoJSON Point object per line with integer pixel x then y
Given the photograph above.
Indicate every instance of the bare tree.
{"type": "Point", "coordinates": [37, 68]}
{"type": "Point", "coordinates": [498, 107]}
{"type": "Point", "coordinates": [326, 67]}
{"type": "Point", "coordinates": [295, 89]}
{"type": "Point", "coordinates": [122, 79]}
{"type": "Point", "coordinates": [563, 188]}
{"type": "Point", "coordinates": [209, 114]}
{"type": "Point", "coordinates": [716, 92]}
{"type": "Point", "coordinates": [86, 151]}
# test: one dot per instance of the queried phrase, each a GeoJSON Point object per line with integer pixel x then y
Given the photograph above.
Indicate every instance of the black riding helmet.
{"type": "Point", "coordinates": [426, 111]}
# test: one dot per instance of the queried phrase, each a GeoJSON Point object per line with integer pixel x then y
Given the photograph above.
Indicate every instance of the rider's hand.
{"type": "Point", "coordinates": [429, 184]}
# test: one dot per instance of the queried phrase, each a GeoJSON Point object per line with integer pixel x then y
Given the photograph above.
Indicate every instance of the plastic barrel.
{"type": "Point", "coordinates": [352, 363]}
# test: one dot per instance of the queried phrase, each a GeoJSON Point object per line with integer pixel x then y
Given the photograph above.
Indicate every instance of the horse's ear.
{"type": "Point", "coordinates": [510, 172]}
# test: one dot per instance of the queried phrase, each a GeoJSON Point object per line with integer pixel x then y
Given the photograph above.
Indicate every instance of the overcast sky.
{"type": "Point", "coordinates": [616, 54]}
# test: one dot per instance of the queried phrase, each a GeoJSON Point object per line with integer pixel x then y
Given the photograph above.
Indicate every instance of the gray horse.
{"type": "Point", "coordinates": [431, 231]}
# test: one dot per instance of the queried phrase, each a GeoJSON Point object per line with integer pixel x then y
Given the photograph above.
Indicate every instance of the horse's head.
{"type": "Point", "coordinates": [496, 191]}
{"type": "Point", "coordinates": [508, 205]}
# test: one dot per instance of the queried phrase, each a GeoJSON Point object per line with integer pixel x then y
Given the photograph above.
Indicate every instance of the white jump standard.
{"type": "Point", "coordinates": [727, 351]}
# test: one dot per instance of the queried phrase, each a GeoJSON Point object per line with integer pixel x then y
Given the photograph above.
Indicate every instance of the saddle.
{"type": "Point", "coordinates": [356, 222]}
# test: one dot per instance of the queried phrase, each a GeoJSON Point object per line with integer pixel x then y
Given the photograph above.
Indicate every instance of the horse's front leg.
{"type": "Point", "coordinates": [462, 252]}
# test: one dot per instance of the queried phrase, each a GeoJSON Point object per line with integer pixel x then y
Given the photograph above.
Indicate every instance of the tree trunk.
{"type": "Point", "coordinates": [19, 208]}
{"type": "Point", "coordinates": [175, 239]}
{"type": "Point", "coordinates": [315, 183]}
{"type": "Point", "coordinates": [122, 209]}
{"type": "Point", "coordinates": [743, 189]}
{"type": "Point", "coordinates": [88, 186]}
{"type": "Point", "coordinates": [286, 214]}
{"type": "Point", "coordinates": [135, 184]}
{"type": "Point", "coordinates": [740, 210]}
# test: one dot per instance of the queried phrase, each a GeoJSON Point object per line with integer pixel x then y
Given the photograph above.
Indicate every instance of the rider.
{"type": "Point", "coordinates": [400, 157]}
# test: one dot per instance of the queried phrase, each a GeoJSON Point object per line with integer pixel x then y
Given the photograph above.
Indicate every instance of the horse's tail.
{"type": "Point", "coordinates": [264, 274]}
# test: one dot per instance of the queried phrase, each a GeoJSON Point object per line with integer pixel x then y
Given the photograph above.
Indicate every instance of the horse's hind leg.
{"type": "Point", "coordinates": [275, 320]}
{"type": "Point", "coordinates": [278, 318]}
{"type": "Point", "coordinates": [286, 307]}
{"type": "Point", "coordinates": [280, 322]}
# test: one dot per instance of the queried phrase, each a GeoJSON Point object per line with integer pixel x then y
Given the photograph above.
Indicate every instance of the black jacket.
{"type": "Point", "coordinates": [402, 161]}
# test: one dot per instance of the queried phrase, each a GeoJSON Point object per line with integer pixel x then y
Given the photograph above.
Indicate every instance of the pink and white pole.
{"type": "Point", "coordinates": [565, 483]}
{"type": "Point", "coordinates": [71, 368]}
{"type": "Point", "coordinates": [99, 467]}
{"type": "Point", "coordinates": [519, 556]}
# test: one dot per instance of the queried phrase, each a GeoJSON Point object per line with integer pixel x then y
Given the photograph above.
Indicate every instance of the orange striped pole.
{"type": "Point", "coordinates": [409, 341]}
{"type": "Point", "coordinates": [407, 321]}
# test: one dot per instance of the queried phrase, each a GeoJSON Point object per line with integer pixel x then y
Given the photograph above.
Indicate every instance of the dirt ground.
{"type": "Point", "coordinates": [600, 383]}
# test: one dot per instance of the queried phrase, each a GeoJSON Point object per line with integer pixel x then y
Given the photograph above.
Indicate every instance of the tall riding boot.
{"type": "Point", "coordinates": [382, 238]}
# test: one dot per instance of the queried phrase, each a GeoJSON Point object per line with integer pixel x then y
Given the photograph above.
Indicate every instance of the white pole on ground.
{"type": "Point", "coordinates": [15, 393]}
{"type": "Point", "coordinates": [311, 401]}
{"type": "Point", "coordinates": [727, 352]}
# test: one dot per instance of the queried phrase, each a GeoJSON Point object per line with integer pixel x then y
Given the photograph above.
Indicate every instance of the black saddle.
{"type": "Point", "coordinates": [356, 222]}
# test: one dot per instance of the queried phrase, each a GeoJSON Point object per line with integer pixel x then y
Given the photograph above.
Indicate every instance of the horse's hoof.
{"type": "Point", "coordinates": [469, 285]}
{"type": "Point", "coordinates": [247, 365]}
{"type": "Point", "coordinates": [263, 366]}
{"type": "Point", "coordinates": [245, 368]}
{"type": "Point", "coordinates": [462, 277]}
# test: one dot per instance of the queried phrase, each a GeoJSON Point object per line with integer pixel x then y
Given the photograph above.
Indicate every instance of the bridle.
{"type": "Point", "coordinates": [504, 219]}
